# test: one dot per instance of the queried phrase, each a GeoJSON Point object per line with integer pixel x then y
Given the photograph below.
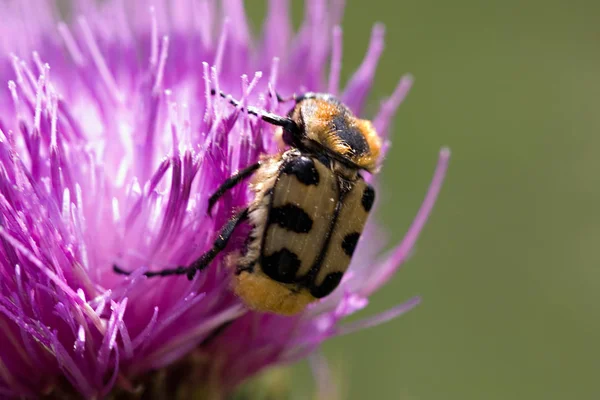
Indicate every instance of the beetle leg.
{"type": "Point", "coordinates": [205, 259]}
{"type": "Point", "coordinates": [230, 183]}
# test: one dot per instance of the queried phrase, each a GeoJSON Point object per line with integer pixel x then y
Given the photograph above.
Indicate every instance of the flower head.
{"type": "Point", "coordinates": [110, 145]}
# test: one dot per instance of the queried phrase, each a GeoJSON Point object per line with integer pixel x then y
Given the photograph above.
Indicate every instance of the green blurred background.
{"type": "Point", "coordinates": [507, 265]}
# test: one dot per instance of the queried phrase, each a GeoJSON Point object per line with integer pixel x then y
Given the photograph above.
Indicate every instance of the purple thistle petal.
{"type": "Point", "coordinates": [379, 318]}
{"type": "Point", "coordinates": [336, 61]}
{"type": "Point", "coordinates": [145, 334]}
{"type": "Point", "coordinates": [389, 106]}
{"type": "Point", "coordinates": [358, 88]}
{"type": "Point", "coordinates": [276, 30]}
{"type": "Point", "coordinates": [98, 60]}
{"type": "Point", "coordinates": [401, 252]}
{"type": "Point", "coordinates": [326, 388]}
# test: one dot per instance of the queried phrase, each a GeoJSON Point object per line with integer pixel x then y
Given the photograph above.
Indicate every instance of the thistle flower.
{"type": "Point", "coordinates": [110, 145]}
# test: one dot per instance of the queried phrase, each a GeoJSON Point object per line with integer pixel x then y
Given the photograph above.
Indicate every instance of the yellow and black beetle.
{"type": "Point", "coordinates": [309, 208]}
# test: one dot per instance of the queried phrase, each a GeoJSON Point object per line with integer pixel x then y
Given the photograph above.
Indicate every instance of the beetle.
{"type": "Point", "coordinates": [310, 206]}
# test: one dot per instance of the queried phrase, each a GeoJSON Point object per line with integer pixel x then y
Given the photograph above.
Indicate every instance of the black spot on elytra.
{"type": "Point", "coordinates": [281, 266]}
{"type": "Point", "coordinates": [329, 284]}
{"type": "Point", "coordinates": [350, 134]}
{"type": "Point", "coordinates": [349, 243]}
{"type": "Point", "coordinates": [368, 198]}
{"type": "Point", "coordinates": [291, 218]}
{"type": "Point", "coordinates": [303, 168]}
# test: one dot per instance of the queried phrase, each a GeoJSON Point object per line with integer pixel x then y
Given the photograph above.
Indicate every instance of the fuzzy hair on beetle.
{"type": "Point", "coordinates": [309, 209]}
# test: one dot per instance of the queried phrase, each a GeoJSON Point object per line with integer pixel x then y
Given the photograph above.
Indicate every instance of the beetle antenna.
{"type": "Point", "coordinates": [286, 123]}
{"type": "Point", "coordinates": [284, 99]}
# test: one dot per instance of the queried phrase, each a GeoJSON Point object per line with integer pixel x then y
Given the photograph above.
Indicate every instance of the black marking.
{"type": "Point", "coordinates": [351, 135]}
{"type": "Point", "coordinates": [291, 218]}
{"type": "Point", "coordinates": [281, 266]}
{"type": "Point", "coordinates": [304, 169]}
{"type": "Point", "coordinates": [329, 284]}
{"type": "Point", "coordinates": [368, 198]}
{"type": "Point", "coordinates": [349, 243]}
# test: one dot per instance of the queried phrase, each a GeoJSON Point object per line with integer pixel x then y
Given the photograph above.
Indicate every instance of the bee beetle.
{"type": "Point", "coordinates": [310, 206]}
